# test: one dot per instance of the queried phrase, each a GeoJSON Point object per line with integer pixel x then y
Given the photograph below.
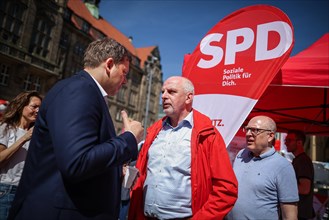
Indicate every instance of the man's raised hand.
{"type": "Point", "coordinates": [133, 126]}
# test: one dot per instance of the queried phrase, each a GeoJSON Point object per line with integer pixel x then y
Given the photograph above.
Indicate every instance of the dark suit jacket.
{"type": "Point", "coordinates": [74, 164]}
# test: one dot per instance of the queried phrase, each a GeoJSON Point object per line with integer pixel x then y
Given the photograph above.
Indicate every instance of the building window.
{"type": "Point", "coordinates": [133, 99]}
{"type": "Point", "coordinates": [41, 37]}
{"type": "Point", "coordinates": [64, 41]}
{"type": "Point", "coordinates": [118, 116]}
{"type": "Point", "coordinates": [11, 20]}
{"type": "Point", "coordinates": [36, 84]}
{"type": "Point", "coordinates": [85, 27]}
{"type": "Point", "coordinates": [4, 75]}
{"type": "Point", "coordinates": [101, 35]}
{"type": "Point", "coordinates": [121, 95]}
{"type": "Point", "coordinates": [76, 61]}
{"type": "Point", "coordinates": [136, 79]}
{"type": "Point", "coordinates": [32, 83]}
{"type": "Point", "coordinates": [67, 14]}
{"type": "Point", "coordinates": [79, 49]}
{"type": "Point", "coordinates": [75, 67]}
{"type": "Point", "coordinates": [27, 82]}
{"type": "Point", "coordinates": [151, 108]}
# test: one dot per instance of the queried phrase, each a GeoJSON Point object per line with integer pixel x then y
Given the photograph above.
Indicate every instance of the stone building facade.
{"type": "Point", "coordinates": [42, 42]}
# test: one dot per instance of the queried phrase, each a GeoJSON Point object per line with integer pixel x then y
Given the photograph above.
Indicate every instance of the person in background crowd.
{"type": "Point", "coordinates": [185, 171]}
{"type": "Point", "coordinates": [267, 183]}
{"type": "Point", "coordinates": [304, 170]}
{"type": "Point", "coordinates": [16, 128]}
{"type": "Point", "coordinates": [74, 166]}
{"type": "Point", "coordinates": [125, 197]}
{"type": "Point", "coordinates": [125, 192]}
{"type": "Point", "coordinates": [3, 106]}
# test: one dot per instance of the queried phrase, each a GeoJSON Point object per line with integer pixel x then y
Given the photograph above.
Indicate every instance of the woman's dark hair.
{"type": "Point", "coordinates": [14, 110]}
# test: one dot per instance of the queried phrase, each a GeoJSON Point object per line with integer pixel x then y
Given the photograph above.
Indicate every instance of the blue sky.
{"type": "Point", "coordinates": [177, 26]}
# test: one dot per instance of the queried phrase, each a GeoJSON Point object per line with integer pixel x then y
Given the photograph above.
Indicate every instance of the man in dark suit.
{"type": "Point", "coordinates": [73, 169]}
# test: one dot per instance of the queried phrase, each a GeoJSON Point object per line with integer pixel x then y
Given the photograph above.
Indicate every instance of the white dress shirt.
{"type": "Point", "coordinates": [167, 188]}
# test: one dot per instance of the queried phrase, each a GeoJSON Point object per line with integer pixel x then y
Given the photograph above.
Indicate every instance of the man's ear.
{"type": "Point", "coordinates": [189, 98]}
{"type": "Point", "coordinates": [272, 136]}
{"type": "Point", "coordinates": [109, 63]}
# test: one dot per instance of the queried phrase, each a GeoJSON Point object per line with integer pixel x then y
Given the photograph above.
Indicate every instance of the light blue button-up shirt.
{"type": "Point", "coordinates": [167, 188]}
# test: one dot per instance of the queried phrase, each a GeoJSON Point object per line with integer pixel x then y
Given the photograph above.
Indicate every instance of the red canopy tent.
{"type": "Point", "coordinates": [298, 96]}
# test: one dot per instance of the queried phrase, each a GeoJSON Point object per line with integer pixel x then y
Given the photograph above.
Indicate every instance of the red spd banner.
{"type": "Point", "coordinates": [235, 62]}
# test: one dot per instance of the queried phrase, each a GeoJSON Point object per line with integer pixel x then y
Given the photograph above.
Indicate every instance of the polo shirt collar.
{"type": "Point", "coordinates": [268, 153]}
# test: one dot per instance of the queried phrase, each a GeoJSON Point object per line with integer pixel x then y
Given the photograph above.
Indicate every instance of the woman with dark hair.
{"type": "Point", "coordinates": [16, 127]}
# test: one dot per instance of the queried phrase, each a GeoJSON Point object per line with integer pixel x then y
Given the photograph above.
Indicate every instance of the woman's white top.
{"type": "Point", "coordinates": [11, 172]}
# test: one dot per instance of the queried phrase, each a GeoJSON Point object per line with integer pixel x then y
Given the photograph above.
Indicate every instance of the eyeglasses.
{"type": "Point", "coordinates": [34, 107]}
{"type": "Point", "coordinates": [254, 131]}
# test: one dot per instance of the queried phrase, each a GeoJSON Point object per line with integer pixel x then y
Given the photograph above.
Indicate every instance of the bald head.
{"type": "Point", "coordinates": [264, 122]}
{"type": "Point", "coordinates": [185, 83]}
{"type": "Point", "coordinates": [260, 133]}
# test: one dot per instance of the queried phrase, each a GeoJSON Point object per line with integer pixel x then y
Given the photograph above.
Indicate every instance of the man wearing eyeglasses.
{"type": "Point", "coordinates": [267, 186]}
{"type": "Point", "coordinates": [304, 170]}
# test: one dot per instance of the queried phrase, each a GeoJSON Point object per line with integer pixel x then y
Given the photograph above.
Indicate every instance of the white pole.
{"type": "Point", "coordinates": [150, 77]}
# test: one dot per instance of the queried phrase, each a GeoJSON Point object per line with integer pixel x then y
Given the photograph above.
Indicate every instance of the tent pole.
{"type": "Point", "coordinates": [313, 147]}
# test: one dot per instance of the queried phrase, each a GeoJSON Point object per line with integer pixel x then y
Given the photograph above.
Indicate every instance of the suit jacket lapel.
{"type": "Point", "coordinates": [105, 107]}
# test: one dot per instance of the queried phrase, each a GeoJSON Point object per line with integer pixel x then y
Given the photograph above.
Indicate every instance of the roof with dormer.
{"type": "Point", "coordinates": [80, 10]}
{"type": "Point", "coordinates": [143, 53]}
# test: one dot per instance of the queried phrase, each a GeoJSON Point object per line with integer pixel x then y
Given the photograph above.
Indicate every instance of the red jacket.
{"type": "Point", "coordinates": [214, 185]}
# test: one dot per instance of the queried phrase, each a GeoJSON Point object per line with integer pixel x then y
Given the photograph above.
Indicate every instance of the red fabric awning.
{"type": "Point", "coordinates": [298, 97]}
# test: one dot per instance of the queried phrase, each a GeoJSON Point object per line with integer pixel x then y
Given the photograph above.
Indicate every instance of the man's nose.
{"type": "Point", "coordinates": [164, 95]}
